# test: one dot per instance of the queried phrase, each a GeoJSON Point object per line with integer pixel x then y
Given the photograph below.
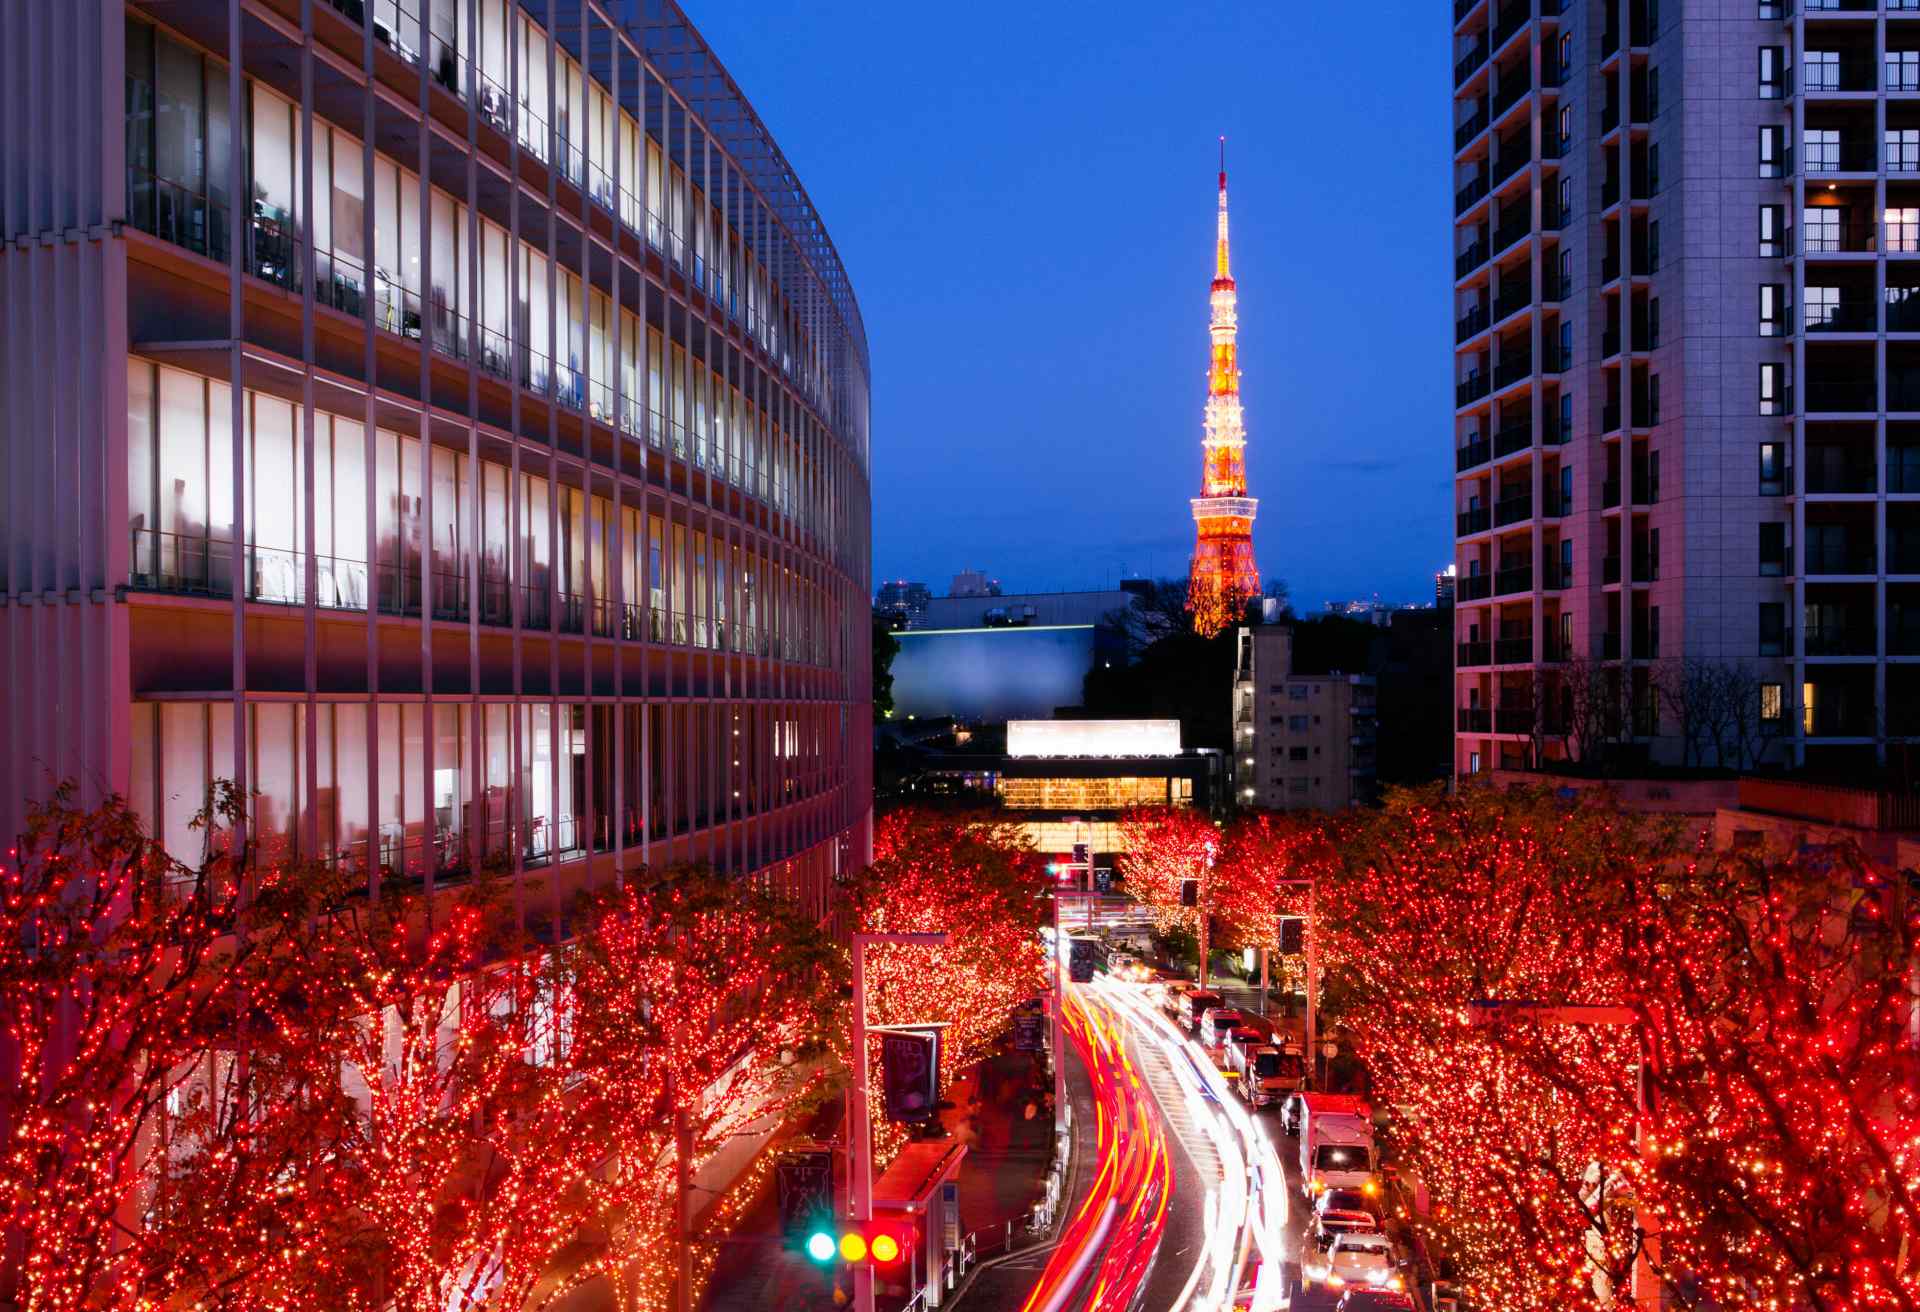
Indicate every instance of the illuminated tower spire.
{"type": "Point", "coordinates": [1224, 577]}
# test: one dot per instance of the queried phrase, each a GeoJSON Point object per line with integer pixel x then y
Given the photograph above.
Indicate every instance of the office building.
{"type": "Point", "coordinates": [1300, 741]}
{"type": "Point", "coordinates": [903, 599]}
{"type": "Point", "coordinates": [973, 583]}
{"type": "Point", "coordinates": [1443, 581]}
{"type": "Point", "coordinates": [1687, 252]}
{"type": "Point", "coordinates": [457, 434]}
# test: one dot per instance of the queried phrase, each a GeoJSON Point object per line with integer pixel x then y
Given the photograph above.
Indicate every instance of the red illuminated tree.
{"type": "Point", "coordinates": [1165, 846]}
{"type": "Point", "coordinates": [698, 1008]}
{"type": "Point", "coordinates": [1770, 1000]}
{"type": "Point", "coordinates": [120, 970]}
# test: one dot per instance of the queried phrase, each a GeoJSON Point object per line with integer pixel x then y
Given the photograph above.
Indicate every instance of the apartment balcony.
{"type": "Point", "coordinates": [1471, 388]}
{"type": "Point", "coordinates": [1556, 576]}
{"type": "Point", "coordinates": [1476, 452]}
{"type": "Point", "coordinates": [1903, 309]}
{"type": "Point", "coordinates": [1476, 124]}
{"type": "Point", "coordinates": [1513, 651]}
{"type": "Point", "coordinates": [1473, 654]}
{"type": "Point", "coordinates": [1903, 468]}
{"type": "Point", "coordinates": [1512, 159]}
{"type": "Point", "coordinates": [1848, 155]}
{"type": "Point", "coordinates": [1512, 300]}
{"type": "Point", "coordinates": [1511, 510]}
{"type": "Point", "coordinates": [1508, 372]}
{"type": "Point", "coordinates": [1513, 224]}
{"type": "Point", "coordinates": [1646, 566]}
{"type": "Point", "coordinates": [1469, 522]}
{"type": "Point", "coordinates": [1646, 488]}
{"type": "Point", "coordinates": [1848, 316]}
{"type": "Point", "coordinates": [1468, 196]}
{"type": "Point", "coordinates": [1609, 569]}
{"type": "Point", "coordinates": [1474, 719]}
{"type": "Point", "coordinates": [1470, 259]}
{"type": "Point", "coordinates": [1513, 719]}
{"type": "Point", "coordinates": [1846, 557]}
{"type": "Point", "coordinates": [1609, 646]}
{"type": "Point", "coordinates": [1841, 395]}
{"type": "Point", "coordinates": [1853, 236]}
{"type": "Point", "coordinates": [1516, 436]}
{"type": "Point", "coordinates": [1840, 640]}
{"type": "Point", "coordinates": [1473, 587]}
{"type": "Point", "coordinates": [1511, 19]}
{"type": "Point", "coordinates": [1849, 73]}
{"type": "Point", "coordinates": [1838, 476]}
{"type": "Point", "coordinates": [1470, 62]}
{"type": "Point", "coordinates": [1508, 581]}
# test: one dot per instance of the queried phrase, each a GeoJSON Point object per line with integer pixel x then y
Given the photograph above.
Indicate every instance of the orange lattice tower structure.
{"type": "Point", "coordinates": [1224, 577]}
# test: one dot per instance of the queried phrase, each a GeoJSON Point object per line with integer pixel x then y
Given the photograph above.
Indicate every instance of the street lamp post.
{"type": "Point", "coordinates": [860, 1149]}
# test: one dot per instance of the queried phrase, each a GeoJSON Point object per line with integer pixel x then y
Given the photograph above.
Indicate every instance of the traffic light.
{"type": "Point", "coordinates": [881, 1243]}
{"type": "Point", "coordinates": [1080, 961]}
{"type": "Point", "coordinates": [1293, 935]}
{"type": "Point", "coordinates": [805, 1182]}
{"type": "Point", "coordinates": [1189, 892]}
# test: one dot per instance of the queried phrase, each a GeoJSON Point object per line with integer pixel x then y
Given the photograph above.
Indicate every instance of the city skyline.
{"type": "Point", "coordinates": [1071, 235]}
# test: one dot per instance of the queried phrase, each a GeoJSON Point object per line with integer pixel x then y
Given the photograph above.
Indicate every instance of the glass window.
{"type": "Point", "coordinates": [1773, 389]}
{"type": "Point", "coordinates": [1823, 227]}
{"type": "Point", "coordinates": [1773, 549]}
{"type": "Point", "coordinates": [1903, 229]}
{"type": "Point", "coordinates": [1822, 147]}
{"type": "Point", "coordinates": [1772, 152]}
{"type": "Point", "coordinates": [1772, 469]}
{"type": "Point", "coordinates": [1772, 230]}
{"type": "Point", "coordinates": [1773, 628]}
{"type": "Point", "coordinates": [1903, 150]}
{"type": "Point", "coordinates": [1773, 702]}
{"type": "Point", "coordinates": [1773, 309]}
{"type": "Point", "coordinates": [1821, 70]}
{"type": "Point", "coordinates": [1903, 70]}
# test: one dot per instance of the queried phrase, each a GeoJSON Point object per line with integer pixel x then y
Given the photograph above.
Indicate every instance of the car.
{"type": "Point", "coordinates": [1346, 1200]}
{"type": "Point", "coordinates": [1355, 1258]}
{"type": "Point", "coordinates": [1173, 997]}
{"type": "Point", "coordinates": [1375, 1300]}
{"type": "Point", "coordinates": [1195, 1003]}
{"type": "Point", "coordinates": [1217, 1023]}
{"type": "Point", "coordinates": [1330, 1225]}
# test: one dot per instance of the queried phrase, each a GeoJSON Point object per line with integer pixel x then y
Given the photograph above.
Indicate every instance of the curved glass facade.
{"type": "Point", "coordinates": [496, 466]}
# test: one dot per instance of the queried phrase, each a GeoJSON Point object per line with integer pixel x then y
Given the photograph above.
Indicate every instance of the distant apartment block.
{"type": "Point", "coordinates": [1300, 742]}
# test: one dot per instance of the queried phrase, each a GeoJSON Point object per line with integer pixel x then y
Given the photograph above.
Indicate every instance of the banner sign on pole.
{"type": "Point", "coordinates": [910, 1074]}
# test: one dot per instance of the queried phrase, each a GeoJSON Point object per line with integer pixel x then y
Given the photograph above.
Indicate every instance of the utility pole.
{"type": "Point", "coordinates": [1313, 981]}
{"type": "Point", "coordinates": [683, 1191]}
{"type": "Point", "coordinates": [860, 1144]}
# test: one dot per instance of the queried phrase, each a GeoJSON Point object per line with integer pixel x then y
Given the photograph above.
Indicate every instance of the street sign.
{"type": "Point", "coordinates": [1028, 1028]}
{"type": "Point", "coordinates": [1293, 935]}
{"type": "Point", "coordinates": [1080, 961]}
{"type": "Point", "coordinates": [950, 1214]}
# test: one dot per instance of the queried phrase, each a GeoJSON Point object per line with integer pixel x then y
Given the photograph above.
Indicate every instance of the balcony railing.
{"type": "Point", "coordinates": [1513, 719]}
{"type": "Point", "coordinates": [1476, 124]}
{"type": "Point", "coordinates": [1470, 61]}
{"type": "Point", "coordinates": [1515, 435]}
{"type": "Point", "coordinates": [1849, 73]}
{"type": "Point", "coordinates": [1840, 640]}
{"type": "Point", "coordinates": [1470, 259]}
{"type": "Point", "coordinates": [1557, 577]}
{"type": "Point", "coordinates": [1848, 316]}
{"type": "Point", "coordinates": [1827, 238]}
{"type": "Point", "coordinates": [1848, 155]}
{"type": "Point", "coordinates": [1518, 579]}
{"type": "Point", "coordinates": [1473, 719]}
{"type": "Point", "coordinates": [1512, 300]}
{"type": "Point", "coordinates": [1470, 521]}
{"type": "Point", "coordinates": [1838, 475]}
{"type": "Point", "coordinates": [1512, 510]}
{"type": "Point", "coordinates": [1513, 651]}
{"type": "Point", "coordinates": [1512, 159]}
{"type": "Point", "coordinates": [1471, 388]}
{"type": "Point", "coordinates": [1839, 558]}
{"type": "Point", "coordinates": [1473, 653]}
{"type": "Point", "coordinates": [1473, 587]}
{"type": "Point", "coordinates": [1510, 371]}
{"type": "Point", "coordinates": [1475, 320]}
{"type": "Point", "coordinates": [1476, 452]}
{"type": "Point", "coordinates": [1840, 395]}
{"type": "Point", "coordinates": [1465, 198]}
{"type": "Point", "coordinates": [1514, 223]}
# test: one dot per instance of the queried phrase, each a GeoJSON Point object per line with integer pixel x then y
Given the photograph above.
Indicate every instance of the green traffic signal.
{"type": "Point", "coordinates": [821, 1246]}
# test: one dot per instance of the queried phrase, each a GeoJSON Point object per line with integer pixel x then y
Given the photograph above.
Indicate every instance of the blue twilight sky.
{"type": "Point", "coordinates": [1023, 194]}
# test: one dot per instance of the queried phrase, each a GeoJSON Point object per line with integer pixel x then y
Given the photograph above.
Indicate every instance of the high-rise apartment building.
{"type": "Point", "coordinates": [1688, 380]}
{"type": "Point", "coordinates": [447, 419]}
{"type": "Point", "coordinates": [905, 599]}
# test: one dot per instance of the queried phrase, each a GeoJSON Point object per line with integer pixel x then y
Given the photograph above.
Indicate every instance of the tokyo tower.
{"type": "Point", "coordinates": [1223, 577]}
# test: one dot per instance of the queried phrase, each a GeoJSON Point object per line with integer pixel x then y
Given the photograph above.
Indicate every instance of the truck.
{"type": "Point", "coordinates": [1267, 1073]}
{"type": "Point", "coordinates": [1336, 1143]}
{"type": "Point", "coordinates": [1196, 1004]}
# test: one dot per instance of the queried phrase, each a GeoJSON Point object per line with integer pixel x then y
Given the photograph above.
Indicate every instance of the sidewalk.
{"type": "Point", "coordinates": [1008, 1151]}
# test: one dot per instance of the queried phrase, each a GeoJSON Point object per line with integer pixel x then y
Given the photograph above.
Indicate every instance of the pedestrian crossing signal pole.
{"type": "Point", "coordinates": [860, 1147]}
